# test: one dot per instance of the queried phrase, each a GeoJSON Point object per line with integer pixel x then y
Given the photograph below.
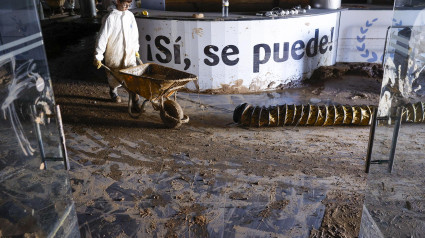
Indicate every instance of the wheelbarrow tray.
{"type": "Point", "coordinates": [152, 81]}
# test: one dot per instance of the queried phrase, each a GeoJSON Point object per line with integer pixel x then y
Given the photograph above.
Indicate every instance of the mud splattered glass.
{"type": "Point", "coordinates": [35, 197]}
{"type": "Point", "coordinates": [394, 201]}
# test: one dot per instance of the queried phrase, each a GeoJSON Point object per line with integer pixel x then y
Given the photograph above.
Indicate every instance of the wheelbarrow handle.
{"type": "Point", "coordinates": [110, 70]}
{"type": "Point", "coordinates": [113, 75]}
{"type": "Point", "coordinates": [107, 68]}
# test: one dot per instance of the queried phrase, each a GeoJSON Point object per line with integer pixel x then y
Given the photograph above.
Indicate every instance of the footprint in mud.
{"type": "Point", "coordinates": [115, 172]}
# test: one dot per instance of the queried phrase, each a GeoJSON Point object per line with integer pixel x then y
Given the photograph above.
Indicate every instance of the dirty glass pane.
{"type": "Point", "coordinates": [394, 201]}
{"type": "Point", "coordinates": [35, 197]}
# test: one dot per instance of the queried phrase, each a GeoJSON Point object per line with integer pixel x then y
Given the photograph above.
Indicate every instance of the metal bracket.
{"type": "Point", "coordinates": [397, 125]}
{"type": "Point", "coordinates": [64, 154]}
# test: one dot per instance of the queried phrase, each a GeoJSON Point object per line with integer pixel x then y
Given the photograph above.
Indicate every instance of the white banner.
{"type": "Point", "coordinates": [244, 55]}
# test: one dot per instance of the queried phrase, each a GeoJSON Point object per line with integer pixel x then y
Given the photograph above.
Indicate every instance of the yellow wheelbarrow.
{"type": "Point", "coordinates": [155, 83]}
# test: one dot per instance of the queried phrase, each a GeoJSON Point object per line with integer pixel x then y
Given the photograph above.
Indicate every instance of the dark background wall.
{"type": "Point", "coordinates": [248, 5]}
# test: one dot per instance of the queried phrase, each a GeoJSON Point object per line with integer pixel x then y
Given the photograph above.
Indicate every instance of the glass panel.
{"type": "Point", "coordinates": [35, 196]}
{"type": "Point", "coordinates": [394, 201]}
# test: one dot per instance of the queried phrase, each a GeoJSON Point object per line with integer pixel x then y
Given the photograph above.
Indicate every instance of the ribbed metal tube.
{"type": "Point", "coordinates": [317, 115]}
{"type": "Point", "coordinates": [413, 112]}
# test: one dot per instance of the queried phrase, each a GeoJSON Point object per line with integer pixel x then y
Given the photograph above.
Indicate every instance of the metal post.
{"type": "Point", "coordinates": [39, 136]}
{"type": "Point", "coordinates": [62, 138]}
{"type": "Point", "coordinates": [371, 139]}
{"type": "Point", "coordinates": [394, 139]}
{"type": "Point", "coordinates": [40, 10]}
{"type": "Point", "coordinates": [87, 8]}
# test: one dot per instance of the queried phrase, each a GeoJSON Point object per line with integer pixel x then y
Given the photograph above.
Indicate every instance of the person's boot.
{"type": "Point", "coordinates": [114, 95]}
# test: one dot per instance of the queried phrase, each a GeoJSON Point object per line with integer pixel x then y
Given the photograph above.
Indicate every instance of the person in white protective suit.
{"type": "Point", "coordinates": [118, 39]}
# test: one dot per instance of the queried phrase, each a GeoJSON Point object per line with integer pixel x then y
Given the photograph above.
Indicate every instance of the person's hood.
{"type": "Point", "coordinates": [112, 7]}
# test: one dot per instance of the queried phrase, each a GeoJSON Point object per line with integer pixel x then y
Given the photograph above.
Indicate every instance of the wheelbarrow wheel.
{"type": "Point", "coordinates": [172, 114]}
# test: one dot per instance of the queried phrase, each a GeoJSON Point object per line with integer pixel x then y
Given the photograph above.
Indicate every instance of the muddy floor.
{"type": "Point", "coordinates": [395, 201]}
{"type": "Point", "coordinates": [211, 177]}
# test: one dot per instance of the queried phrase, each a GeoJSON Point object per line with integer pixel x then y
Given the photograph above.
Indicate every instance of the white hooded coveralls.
{"type": "Point", "coordinates": [118, 39]}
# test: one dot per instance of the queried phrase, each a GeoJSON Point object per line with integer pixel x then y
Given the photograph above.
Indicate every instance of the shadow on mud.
{"type": "Point", "coordinates": [112, 122]}
{"type": "Point", "coordinates": [84, 98]}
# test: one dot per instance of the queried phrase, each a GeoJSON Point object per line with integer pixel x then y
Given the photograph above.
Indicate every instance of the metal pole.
{"type": "Point", "coordinates": [40, 10]}
{"type": "Point", "coordinates": [371, 139]}
{"type": "Point", "coordinates": [62, 138]}
{"type": "Point", "coordinates": [394, 139]}
{"type": "Point", "coordinates": [39, 137]}
{"type": "Point", "coordinates": [88, 8]}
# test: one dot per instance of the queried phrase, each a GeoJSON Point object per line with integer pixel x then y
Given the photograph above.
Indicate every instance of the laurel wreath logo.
{"type": "Point", "coordinates": [400, 23]}
{"type": "Point", "coordinates": [366, 53]}
{"type": "Point", "coordinates": [371, 55]}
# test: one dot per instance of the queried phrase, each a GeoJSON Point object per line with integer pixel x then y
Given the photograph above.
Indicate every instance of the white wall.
{"type": "Point", "coordinates": [362, 33]}
{"type": "Point", "coordinates": [223, 53]}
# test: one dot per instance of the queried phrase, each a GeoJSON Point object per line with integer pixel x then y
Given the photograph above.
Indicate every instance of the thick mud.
{"type": "Point", "coordinates": [211, 177]}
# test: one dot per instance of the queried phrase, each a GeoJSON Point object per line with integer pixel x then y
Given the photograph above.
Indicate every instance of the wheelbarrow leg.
{"type": "Point", "coordinates": [135, 106]}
